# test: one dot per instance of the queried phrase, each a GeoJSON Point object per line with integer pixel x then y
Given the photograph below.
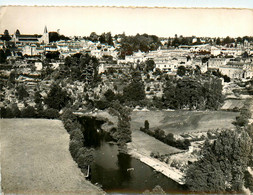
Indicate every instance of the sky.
{"type": "Point", "coordinates": [163, 22]}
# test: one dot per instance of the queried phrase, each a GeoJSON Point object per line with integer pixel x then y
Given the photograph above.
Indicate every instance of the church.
{"type": "Point", "coordinates": [24, 39]}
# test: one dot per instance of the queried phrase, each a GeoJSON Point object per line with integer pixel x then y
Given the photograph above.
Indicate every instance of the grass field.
{"type": "Point", "coordinates": [35, 159]}
{"type": "Point", "coordinates": [178, 122]}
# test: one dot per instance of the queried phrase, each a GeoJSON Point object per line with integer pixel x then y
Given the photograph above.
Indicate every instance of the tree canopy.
{"type": "Point", "coordinates": [57, 98]}
{"type": "Point", "coordinates": [222, 164]}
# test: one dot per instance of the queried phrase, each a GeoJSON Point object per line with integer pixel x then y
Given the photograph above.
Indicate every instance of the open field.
{"type": "Point", "coordinates": [178, 122]}
{"type": "Point", "coordinates": [146, 144]}
{"type": "Point", "coordinates": [35, 159]}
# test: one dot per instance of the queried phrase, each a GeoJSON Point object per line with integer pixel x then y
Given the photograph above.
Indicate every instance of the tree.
{"type": "Point", "coordinates": [57, 98]}
{"type": "Point", "coordinates": [134, 91]}
{"type": "Point", "coordinates": [15, 111]}
{"type": "Point", "coordinates": [102, 38]}
{"type": "Point", "coordinates": [109, 95]}
{"type": "Point", "coordinates": [21, 92]}
{"type": "Point", "coordinates": [150, 65]}
{"type": "Point", "coordinates": [218, 41]}
{"type": "Point", "coordinates": [28, 112]}
{"type": "Point", "coordinates": [222, 164]}
{"type": "Point", "coordinates": [93, 37]}
{"type": "Point", "coordinates": [37, 97]}
{"type": "Point", "coordinates": [181, 71]}
{"type": "Point", "coordinates": [84, 157]}
{"type": "Point", "coordinates": [123, 132]}
{"type": "Point", "coordinates": [146, 125]}
{"type": "Point", "coordinates": [54, 36]}
{"type": "Point", "coordinates": [228, 40]}
{"type": "Point", "coordinates": [53, 55]}
{"type": "Point", "coordinates": [13, 76]}
{"type": "Point", "coordinates": [2, 56]}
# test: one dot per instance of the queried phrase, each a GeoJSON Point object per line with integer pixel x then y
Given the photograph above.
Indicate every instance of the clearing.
{"type": "Point", "coordinates": [35, 159]}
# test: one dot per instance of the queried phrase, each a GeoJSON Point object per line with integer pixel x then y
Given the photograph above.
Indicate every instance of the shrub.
{"type": "Point", "coordinates": [74, 146]}
{"type": "Point", "coordinates": [51, 113]}
{"type": "Point", "coordinates": [15, 111]}
{"type": "Point", "coordinates": [77, 135]}
{"type": "Point", "coordinates": [241, 121]}
{"type": "Point", "coordinates": [101, 105]}
{"type": "Point", "coordinates": [146, 125]}
{"type": "Point", "coordinates": [84, 157]}
{"type": "Point", "coordinates": [28, 112]}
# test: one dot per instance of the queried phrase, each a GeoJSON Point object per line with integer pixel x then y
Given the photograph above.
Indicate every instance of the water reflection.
{"type": "Point", "coordinates": [91, 129]}
{"type": "Point", "coordinates": [124, 164]}
{"type": "Point", "coordinates": [118, 172]}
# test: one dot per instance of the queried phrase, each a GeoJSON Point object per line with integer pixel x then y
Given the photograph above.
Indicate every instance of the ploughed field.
{"type": "Point", "coordinates": [35, 159]}
{"type": "Point", "coordinates": [180, 121]}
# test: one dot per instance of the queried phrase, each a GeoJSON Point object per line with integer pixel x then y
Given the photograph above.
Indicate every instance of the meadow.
{"type": "Point", "coordinates": [181, 121]}
{"type": "Point", "coordinates": [35, 159]}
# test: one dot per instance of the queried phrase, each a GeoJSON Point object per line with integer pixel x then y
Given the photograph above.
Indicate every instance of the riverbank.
{"type": "Point", "coordinates": [157, 165]}
{"type": "Point", "coordinates": [35, 159]}
{"type": "Point", "coordinates": [141, 147]}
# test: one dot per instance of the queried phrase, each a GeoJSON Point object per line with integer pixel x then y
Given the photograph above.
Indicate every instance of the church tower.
{"type": "Point", "coordinates": [45, 36]}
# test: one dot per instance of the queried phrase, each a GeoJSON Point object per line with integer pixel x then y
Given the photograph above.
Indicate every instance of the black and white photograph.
{"type": "Point", "coordinates": [126, 97]}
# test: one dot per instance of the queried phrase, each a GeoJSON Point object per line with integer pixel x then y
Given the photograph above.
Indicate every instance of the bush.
{"type": "Point", "coordinates": [51, 113]}
{"type": "Point", "coordinates": [3, 112]}
{"type": "Point", "coordinates": [15, 111]}
{"type": "Point", "coordinates": [77, 135]}
{"type": "Point", "coordinates": [102, 105]}
{"type": "Point", "coordinates": [109, 95]}
{"type": "Point", "coordinates": [146, 125]}
{"type": "Point", "coordinates": [28, 112]}
{"type": "Point", "coordinates": [241, 121]}
{"type": "Point", "coordinates": [167, 139]}
{"type": "Point", "coordinates": [84, 157]}
{"type": "Point", "coordinates": [74, 146]}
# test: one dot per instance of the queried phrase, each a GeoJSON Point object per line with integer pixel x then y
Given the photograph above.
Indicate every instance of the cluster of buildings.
{"type": "Point", "coordinates": [228, 60]}
{"type": "Point", "coordinates": [33, 45]}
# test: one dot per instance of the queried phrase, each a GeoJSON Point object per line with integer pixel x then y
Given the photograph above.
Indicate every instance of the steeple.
{"type": "Point", "coordinates": [45, 36]}
{"type": "Point", "coordinates": [45, 29]}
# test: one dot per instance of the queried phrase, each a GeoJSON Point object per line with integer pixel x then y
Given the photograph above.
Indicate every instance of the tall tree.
{"type": "Point", "coordinates": [222, 164]}
{"type": "Point", "coordinates": [123, 132]}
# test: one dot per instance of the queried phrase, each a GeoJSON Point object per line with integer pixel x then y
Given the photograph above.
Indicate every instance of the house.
{"type": "Point", "coordinates": [29, 50]}
{"type": "Point", "coordinates": [215, 63]}
{"type": "Point", "coordinates": [234, 70]}
{"type": "Point", "coordinates": [38, 65]}
{"type": "Point", "coordinates": [215, 51]}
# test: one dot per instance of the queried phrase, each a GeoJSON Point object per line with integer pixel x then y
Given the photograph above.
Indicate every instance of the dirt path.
{"type": "Point", "coordinates": [35, 159]}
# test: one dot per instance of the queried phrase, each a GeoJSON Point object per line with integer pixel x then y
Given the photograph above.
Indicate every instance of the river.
{"type": "Point", "coordinates": [119, 172]}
